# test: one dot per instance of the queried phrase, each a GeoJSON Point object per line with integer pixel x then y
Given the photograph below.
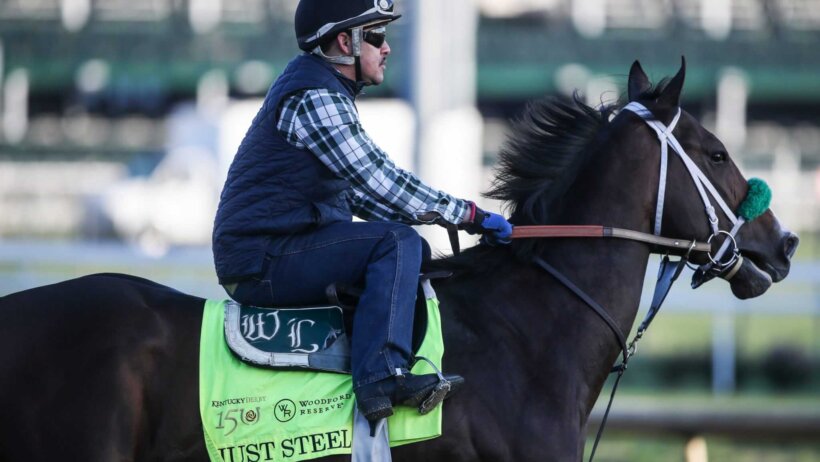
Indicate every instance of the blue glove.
{"type": "Point", "coordinates": [494, 228]}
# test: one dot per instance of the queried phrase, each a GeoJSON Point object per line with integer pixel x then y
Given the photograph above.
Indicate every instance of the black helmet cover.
{"type": "Point", "coordinates": [317, 19]}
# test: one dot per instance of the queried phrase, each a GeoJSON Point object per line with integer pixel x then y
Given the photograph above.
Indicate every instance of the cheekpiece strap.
{"type": "Point", "coordinates": [702, 183]}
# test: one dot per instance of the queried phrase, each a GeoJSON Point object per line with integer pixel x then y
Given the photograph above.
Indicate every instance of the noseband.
{"type": "Point", "coordinates": [716, 266]}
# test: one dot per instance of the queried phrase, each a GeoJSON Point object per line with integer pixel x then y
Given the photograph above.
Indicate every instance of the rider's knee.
{"type": "Point", "coordinates": [406, 238]}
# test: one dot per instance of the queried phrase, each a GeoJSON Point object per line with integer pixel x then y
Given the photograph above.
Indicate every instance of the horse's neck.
{"type": "Point", "coordinates": [612, 274]}
{"type": "Point", "coordinates": [610, 271]}
{"type": "Point", "coordinates": [565, 333]}
{"type": "Point", "coordinates": [524, 341]}
{"type": "Point", "coordinates": [514, 331]}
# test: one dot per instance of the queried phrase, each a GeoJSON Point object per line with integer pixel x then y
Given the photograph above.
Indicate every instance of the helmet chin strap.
{"type": "Point", "coordinates": [353, 60]}
{"type": "Point", "coordinates": [356, 34]}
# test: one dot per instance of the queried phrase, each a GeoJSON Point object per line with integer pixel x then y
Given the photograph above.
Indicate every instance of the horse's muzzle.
{"type": "Point", "coordinates": [790, 243]}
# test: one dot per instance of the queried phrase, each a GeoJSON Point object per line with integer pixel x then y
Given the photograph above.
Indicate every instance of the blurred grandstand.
{"type": "Point", "coordinates": [98, 81]}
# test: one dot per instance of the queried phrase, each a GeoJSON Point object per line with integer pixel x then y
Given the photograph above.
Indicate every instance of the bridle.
{"type": "Point", "coordinates": [716, 266]}
{"type": "Point", "coordinates": [669, 270]}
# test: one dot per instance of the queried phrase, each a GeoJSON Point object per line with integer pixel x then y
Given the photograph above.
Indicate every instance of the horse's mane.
{"type": "Point", "coordinates": [544, 153]}
{"type": "Point", "coordinates": [547, 147]}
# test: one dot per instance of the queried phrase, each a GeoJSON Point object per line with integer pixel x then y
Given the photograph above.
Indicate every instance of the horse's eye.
{"type": "Point", "coordinates": [719, 157]}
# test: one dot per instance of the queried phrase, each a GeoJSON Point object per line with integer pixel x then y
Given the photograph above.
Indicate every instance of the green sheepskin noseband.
{"type": "Point", "coordinates": [757, 200]}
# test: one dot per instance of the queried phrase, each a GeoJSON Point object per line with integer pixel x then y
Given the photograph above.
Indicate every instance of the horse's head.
{"type": "Point", "coordinates": [567, 163]}
{"type": "Point", "coordinates": [764, 248]}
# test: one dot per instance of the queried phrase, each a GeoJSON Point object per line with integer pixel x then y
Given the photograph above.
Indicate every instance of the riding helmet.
{"type": "Point", "coordinates": [317, 19]}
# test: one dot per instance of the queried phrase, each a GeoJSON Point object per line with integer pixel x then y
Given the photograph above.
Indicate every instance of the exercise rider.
{"type": "Point", "coordinates": [284, 228]}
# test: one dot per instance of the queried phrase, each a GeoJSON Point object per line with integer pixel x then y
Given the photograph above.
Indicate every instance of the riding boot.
{"type": "Point", "coordinates": [425, 392]}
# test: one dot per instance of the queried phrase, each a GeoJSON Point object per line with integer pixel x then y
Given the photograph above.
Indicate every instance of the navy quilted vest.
{"type": "Point", "coordinates": [273, 188]}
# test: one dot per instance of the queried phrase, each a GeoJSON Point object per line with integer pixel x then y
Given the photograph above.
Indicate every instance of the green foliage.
{"type": "Point", "coordinates": [757, 200]}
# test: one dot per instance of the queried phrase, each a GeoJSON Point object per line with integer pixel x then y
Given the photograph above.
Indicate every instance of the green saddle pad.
{"type": "Point", "coordinates": [252, 414]}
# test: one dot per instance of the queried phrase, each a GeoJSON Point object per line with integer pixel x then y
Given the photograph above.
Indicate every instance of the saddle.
{"type": "Point", "coordinates": [311, 337]}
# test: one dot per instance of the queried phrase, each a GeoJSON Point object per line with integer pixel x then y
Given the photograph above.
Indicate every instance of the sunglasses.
{"type": "Point", "coordinates": [376, 36]}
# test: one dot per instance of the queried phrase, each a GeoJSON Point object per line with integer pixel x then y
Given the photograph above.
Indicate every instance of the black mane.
{"type": "Point", "coordinates": [544, 152]}
{"type": "Point", "coordinates": [543, 155]}
{"type": "Point", "coordinates": [546, 149]}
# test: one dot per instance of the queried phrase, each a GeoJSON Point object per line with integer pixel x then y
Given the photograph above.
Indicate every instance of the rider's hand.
{"type": "Point", "coordinates": [494, 228]}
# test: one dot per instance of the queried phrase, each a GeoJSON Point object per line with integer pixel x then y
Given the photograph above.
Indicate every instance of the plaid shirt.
{"type": "Point", "coordinates": [327, 124]}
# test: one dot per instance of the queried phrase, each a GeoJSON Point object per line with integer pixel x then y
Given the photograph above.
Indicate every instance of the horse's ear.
{"type": "Point", "coordinates": [638, 81]}
{"type": "Point", "coordinates": [671, 94]}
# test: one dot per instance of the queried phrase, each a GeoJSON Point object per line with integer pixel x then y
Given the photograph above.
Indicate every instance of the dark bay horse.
{"type": "Point", "coordinates": [104, 367]}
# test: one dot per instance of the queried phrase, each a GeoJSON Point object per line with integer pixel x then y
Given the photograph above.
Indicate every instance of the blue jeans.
{"type": "Point", "coordinates": [383, 257]}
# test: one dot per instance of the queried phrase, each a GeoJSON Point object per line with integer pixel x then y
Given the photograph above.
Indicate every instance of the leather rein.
{"type": "Point", "coordinates": [522, 232]}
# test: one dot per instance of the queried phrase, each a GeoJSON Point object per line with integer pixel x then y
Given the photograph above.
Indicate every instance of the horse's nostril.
{"type": "Point", "coordinates": [790, 243]}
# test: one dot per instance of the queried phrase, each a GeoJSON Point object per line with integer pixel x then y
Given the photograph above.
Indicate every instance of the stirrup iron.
{"type": "Point", "coordinates": [439, 392]}
{"type": "Point", "coordinates": [437, 396]}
